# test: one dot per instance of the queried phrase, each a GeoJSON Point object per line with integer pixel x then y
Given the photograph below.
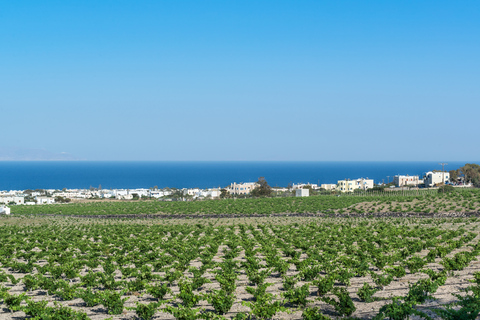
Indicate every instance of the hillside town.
{"type": "Point", "coordinates": [49, 196]}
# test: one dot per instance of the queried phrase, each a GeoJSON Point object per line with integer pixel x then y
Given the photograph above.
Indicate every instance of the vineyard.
{"type": "Point", "coordinates": [426, 202]}
{"type": "Point", "coordinates": [244, 268]}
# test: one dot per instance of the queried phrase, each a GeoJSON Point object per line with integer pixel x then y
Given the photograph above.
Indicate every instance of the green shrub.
{"type": "Point", "coordinates": [366, 292]}
{"type": "Point", "coordinates": [313, 314]}
{"type": "Point", "coordinates": [113, 302]}
{"type": "Point", "coordinates": [221, 301]}
{"type": "Point", "coordinates": [344, 305]}
{"type": "Point", "coordinates": [146, 311]}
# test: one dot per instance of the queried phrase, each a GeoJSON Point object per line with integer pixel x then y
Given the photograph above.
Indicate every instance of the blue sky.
{"type": "Point", "coordinates": [241, 80]}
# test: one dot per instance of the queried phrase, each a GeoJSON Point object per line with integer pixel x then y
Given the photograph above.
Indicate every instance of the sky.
{"type": "Point", "coordinates": [241, 80]}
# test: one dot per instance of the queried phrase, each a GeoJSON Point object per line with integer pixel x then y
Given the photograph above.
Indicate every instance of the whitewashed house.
{"type": "Point", "coordinates": [45, 200]}
{"type": "Point", "coordinates": [159, 193]}
{"type": "Point", "coordinates": [241, 188]}
{"type": "Point", "coordinates": [434, 178]}
{"type": "Point", "coordinates": [302, 192]}
{"type": "Point", "coordinates": [328, 186]}
{"type": "Point", "coordinates": [8, 199]}
{"type": "Point", "coordinates": [4, 210]}
{"type": "Point", "coordinates": [348, 185]}
{"type": "Point", "coordinates": [407, 180]}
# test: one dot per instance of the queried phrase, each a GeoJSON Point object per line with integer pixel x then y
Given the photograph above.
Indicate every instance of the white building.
{"type": "Point", "coordinates": [328, 186]}
{"type": "Point", "coordinates": [407, 180]}
{"type": "Point", "coordinates": [45, 200]}
{"type": "Point", "coordinates": [241, 188]}
{"type": "Point", "coordinates": [141, 192]}
{"type": "Point", "coordinates": [159, 193]}
{"type": "Point", "coordinates": [314, 186]}
{"type": "Point", "coordinates": [302, 192]}
{"type": "Point", "coordinates": [121, 194]}
{"type": "Point", "coordinates": [352, 185]}
{"type": "Point", "coordinates": [4, 210]}
{"type": "Point", "coordinates": [434, 178]}
{"type": "Point", "coordinates": [9, 199]}
{"type": "Point", "coordinates": [191, 192]}
{"type": "Point", "coordinates": [213, 193]}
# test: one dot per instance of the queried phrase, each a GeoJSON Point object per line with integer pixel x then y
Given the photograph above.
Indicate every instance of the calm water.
{"type": "Point", "coordinates": [84, 174]}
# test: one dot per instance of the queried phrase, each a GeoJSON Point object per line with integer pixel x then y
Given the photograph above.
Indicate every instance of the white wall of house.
{"type": "Point", "coordinates": [433, 178]}
{"type": "Point", "coordinates": [328, 186]}
{"type": "Point", "coordinates": [4, 210]}
{"type": "Point", "coordinates": [241, 188]}
{"type": "Point", "coordinates": [302, 192]}
{"type": "Point", "coordinates": [8, 199]}
{"type": "Point", "coordinates": [159, 193]}
{"type": "Point", "coordinates": [400, 180]}
{"type": "Point", "coordinates": [352, 185]}
{"type": "Point", "coordinates": [45, 200]}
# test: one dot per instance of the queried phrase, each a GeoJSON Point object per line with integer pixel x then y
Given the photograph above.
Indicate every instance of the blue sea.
{"type": "Point", "coordinates": [86, 174]}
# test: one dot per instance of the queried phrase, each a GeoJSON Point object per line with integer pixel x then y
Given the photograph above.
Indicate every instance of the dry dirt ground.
{"type": "Point", "coordinates": [454, 284]}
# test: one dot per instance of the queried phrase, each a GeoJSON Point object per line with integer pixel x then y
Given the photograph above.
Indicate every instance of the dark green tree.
{"type": "Point", "coordinates": [262, 189]}
{"type": "Point", "coordinates": [471, 171]}
{"type": "Point", "coordinates": [224, 194]}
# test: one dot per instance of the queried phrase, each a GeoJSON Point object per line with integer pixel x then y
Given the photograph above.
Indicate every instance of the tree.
{"type": "Point", "coordinates": [262, 189]}
{"type": "Point", "coordinates": [224, 194]}
{"type": "Point", "coordinates": [60, 199]}
{"type": "Point", "coordinates": [454, 174]}
{"type": "Point", "coordinates": [471, 171]}
{"type": "Point", "coordinates": [311, 191]}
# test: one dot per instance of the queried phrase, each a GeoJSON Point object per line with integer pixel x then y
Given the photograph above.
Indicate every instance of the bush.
{"type": "Point", "coordinates": [158, 291]}
{"type": "Point", "coordinates": [366, 292]}
{"type": "Point", "coordinates": [446, 189]}
{"type": "Point", "coordinates": [298, 296]}
{"type": "Point", "coordinates": [221, 301]}
{"type": "Point", "coordinates": [344, 305]}
{"type": "Point", "coordinates": [113, 302]}
{"type": "Point", "coordinates": [146, 311]}
{"type": "Point", "coordinates": [314, 314]}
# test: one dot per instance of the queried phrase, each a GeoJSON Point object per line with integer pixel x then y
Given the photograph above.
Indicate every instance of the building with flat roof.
{"type": "Point", "coordinates": [434, 178]}
{"type": "Point", "coordinates": [241, 188]}
{"type": "Point", "coordinates": [401, 181]}
{"type": "Point", "coordinates": [12, 199]}
{"type": "Point", "coordinates": [302, 192]}
{"type": "Point", "coordinates": [348, 185]}
{"type": "Point", "coordinates": [328, 186]}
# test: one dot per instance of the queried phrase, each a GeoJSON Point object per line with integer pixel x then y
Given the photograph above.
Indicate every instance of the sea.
{"type": "Point", "coordinates": [21, 175]}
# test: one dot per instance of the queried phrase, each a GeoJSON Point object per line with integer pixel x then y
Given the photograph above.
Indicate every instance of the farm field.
{"type": "Point", "coordinates": [242, 268]}
{"type": "Point", "coordinates": [413, 202]}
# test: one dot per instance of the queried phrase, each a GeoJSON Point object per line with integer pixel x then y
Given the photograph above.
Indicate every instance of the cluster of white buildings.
{"type": "Point", "coordinates": [49, 196]}
{"type": "Point", "coordinates": [431, 179]}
